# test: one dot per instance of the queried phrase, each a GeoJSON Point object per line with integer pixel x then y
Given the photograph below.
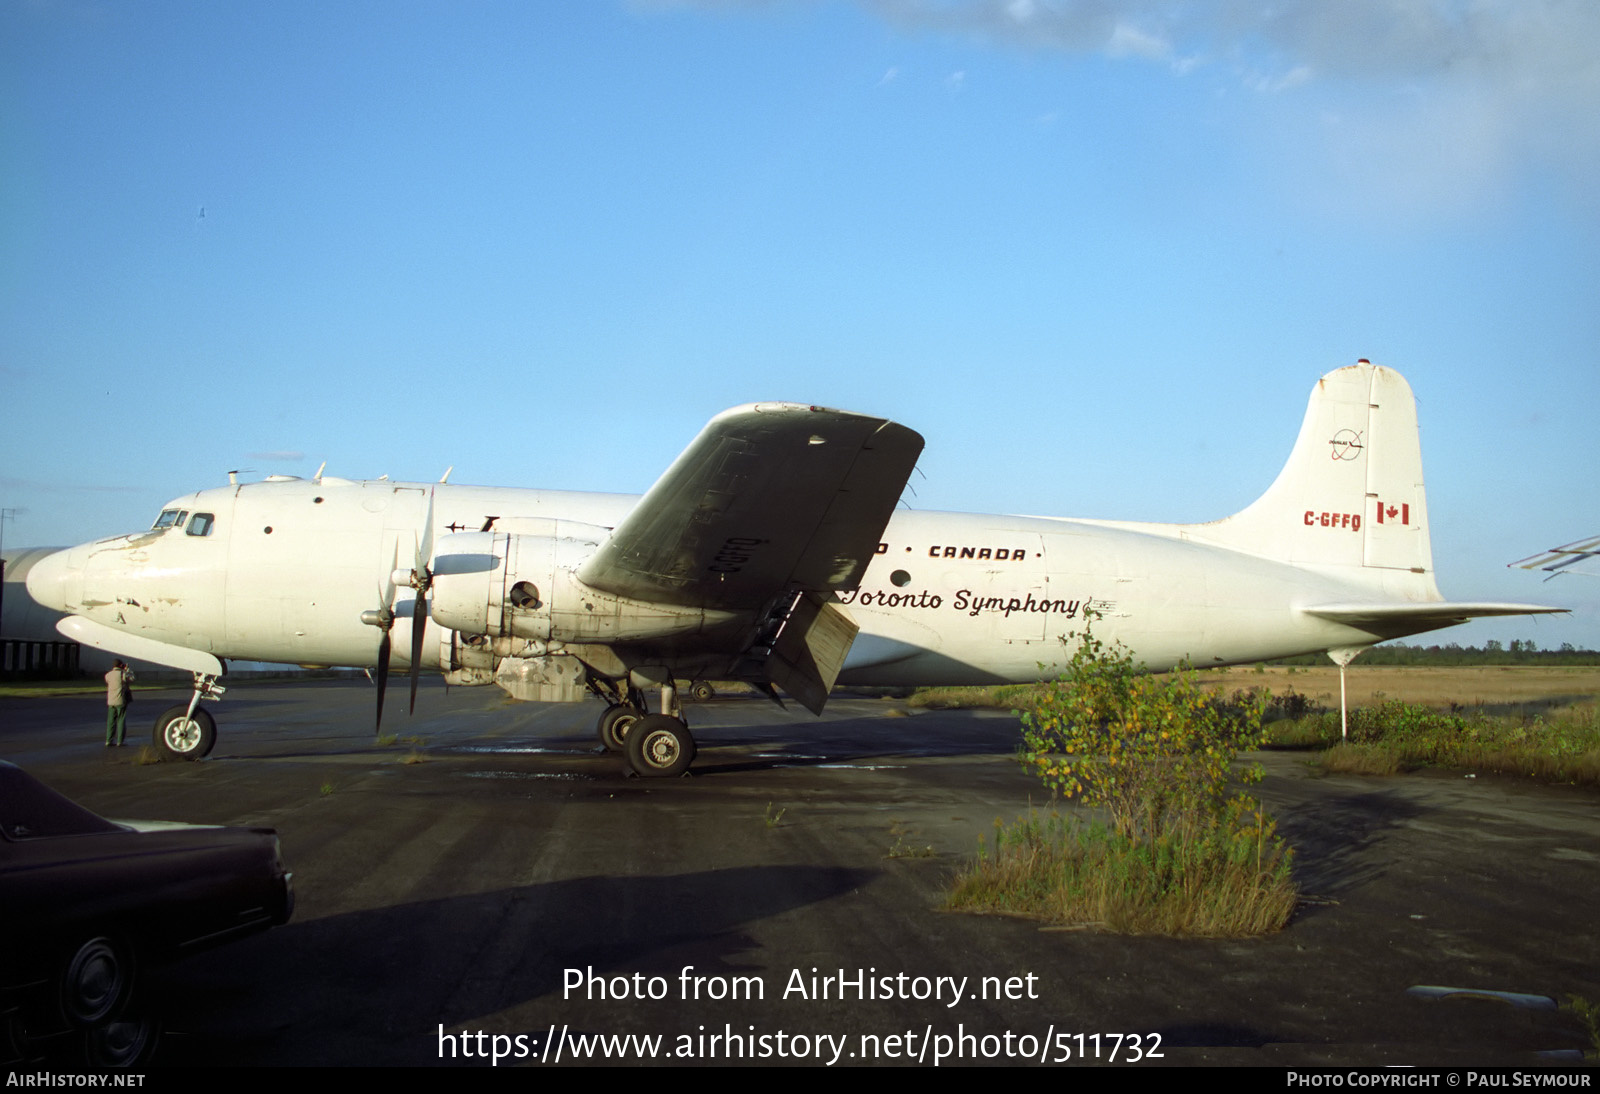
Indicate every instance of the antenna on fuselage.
{"type": "Point", "coordinates": [444, 478]}
{"type": "Point", "coordinates": [318, 476]}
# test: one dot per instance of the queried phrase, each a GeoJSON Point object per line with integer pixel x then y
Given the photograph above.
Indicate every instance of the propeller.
{"type": "Point", "coordinates": [383, 618]}
{"type": "Point", "coordinates": [420, 578]}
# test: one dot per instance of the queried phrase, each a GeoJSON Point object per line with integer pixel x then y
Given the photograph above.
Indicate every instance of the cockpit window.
{"type": "Point", "coordinates": [200, 524]}
{"type": "Point", "coordinates": [169, 518]}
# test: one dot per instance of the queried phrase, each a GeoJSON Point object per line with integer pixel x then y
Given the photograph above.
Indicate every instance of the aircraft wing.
{"type": "Point", "coordinates": [1398, 620]}
{"type": "Point", "coordinates": [1574, 558]}
{"type": "Point", "coordinates": [769, 497]}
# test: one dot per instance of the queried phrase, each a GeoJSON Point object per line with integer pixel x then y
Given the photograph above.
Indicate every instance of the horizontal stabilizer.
{"type": "Point", "coordinates": [1396, 620]}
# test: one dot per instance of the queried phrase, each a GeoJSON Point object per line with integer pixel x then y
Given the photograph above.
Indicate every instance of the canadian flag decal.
{"type": "Point", "coordinates": [1393, 514]}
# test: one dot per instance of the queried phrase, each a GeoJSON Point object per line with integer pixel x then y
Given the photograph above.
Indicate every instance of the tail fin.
{"type": "Point", "coordinates": [1351, 495]}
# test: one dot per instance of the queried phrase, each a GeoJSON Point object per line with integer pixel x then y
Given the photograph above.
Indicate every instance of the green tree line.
{"type": "Point", "coordinates": [1492, 652]}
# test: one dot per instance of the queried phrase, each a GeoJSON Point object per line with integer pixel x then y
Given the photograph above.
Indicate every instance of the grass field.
{"type": "Point", "coordinates": [1496, 690]}
{"type": "Point", "coordinates": [1541, 722]}
{"type": "Point", "coordinates": [1491, 688]}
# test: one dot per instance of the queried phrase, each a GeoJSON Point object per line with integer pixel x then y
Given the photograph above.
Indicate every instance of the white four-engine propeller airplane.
{"type": "Point", "coordinates": [770, 552]}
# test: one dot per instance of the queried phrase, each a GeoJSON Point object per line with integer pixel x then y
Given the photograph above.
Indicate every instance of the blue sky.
{"type": "Point", "coordinates": [1097, 253]}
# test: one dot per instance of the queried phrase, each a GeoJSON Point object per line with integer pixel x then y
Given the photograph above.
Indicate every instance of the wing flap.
{"type": "Point", "coordinates": [769, 497]}
{"type": "Point", "coordinates": [810, 650]}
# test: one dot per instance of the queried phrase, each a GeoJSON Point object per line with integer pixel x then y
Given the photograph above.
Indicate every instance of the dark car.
{"type": "Point", "coordinates": [88, 905]}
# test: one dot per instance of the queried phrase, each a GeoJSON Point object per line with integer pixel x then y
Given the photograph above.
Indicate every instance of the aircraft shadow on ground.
{"type": "Point", "coordinates": [861, 739]}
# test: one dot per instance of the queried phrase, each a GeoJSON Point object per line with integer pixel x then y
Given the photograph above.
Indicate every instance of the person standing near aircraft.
{"type": "Point", "coordinates": [119, 692]}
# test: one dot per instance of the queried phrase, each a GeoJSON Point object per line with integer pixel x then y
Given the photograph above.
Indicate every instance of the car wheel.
{"type": "Point", "coordinates": [701, 691]}
{"type": "Point", "coordinates": [96, 981]}
{"type": "Point", "coordinates": [180, 736]}
{"type": "Point", "coordinates": [660, 747]}
{"type": "Point", "coordinates": [121, 1043]}
{"type": "Point", "coordinates": [614, 726]}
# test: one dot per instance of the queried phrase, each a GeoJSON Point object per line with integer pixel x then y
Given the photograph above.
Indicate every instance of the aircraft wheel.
{"type": "Point", "coordinates": [614, 725]}
{"type": "Point", "coordinates": [95, 982]}
{"type": "Point", "coordinates": [701, 691]}
{"type": "Point", "coordinates": [180, 737]}
{"type": "Point", "coordinates": [659, 747]}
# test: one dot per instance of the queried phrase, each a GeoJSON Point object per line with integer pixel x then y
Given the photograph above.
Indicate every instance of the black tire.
{"type": "Point", "coordinates": [95, 982]}
{"type": "Point", "coordinates": [123, 1042]}
{"type": "Point", "coordinates": [660, 747]}
{"type": "Point", "coordinates": [179, 737]}
{"type": "Point", "coordinates": [701, 691]}
{"type": "Point", "coordinates": [614, 725]}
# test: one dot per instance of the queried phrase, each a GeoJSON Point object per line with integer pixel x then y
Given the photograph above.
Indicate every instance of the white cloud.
{"type": "Point", "coordinates": [1128, 40]}
{"type": "Point", "coordinates": [1458, 97]}
{"type": "Point", "coordinates": [1455, 99]}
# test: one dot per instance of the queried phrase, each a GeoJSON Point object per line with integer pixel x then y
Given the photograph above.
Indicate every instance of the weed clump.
{"type": "Point", "coordinates": [1228, 879]}
{"type": "Point", "coordinates": [1182, 851]}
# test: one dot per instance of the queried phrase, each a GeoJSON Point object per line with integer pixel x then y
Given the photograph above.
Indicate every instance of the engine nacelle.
{"type": "Point", "coordinates": [524, 585]}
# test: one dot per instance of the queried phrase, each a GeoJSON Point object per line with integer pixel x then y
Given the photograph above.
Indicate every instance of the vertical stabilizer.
{"type": "Point", "coordinates": [1351, 495]}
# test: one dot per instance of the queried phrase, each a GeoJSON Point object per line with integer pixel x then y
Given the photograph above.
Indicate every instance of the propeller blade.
{"type": "Point", "coordinates": [422, 577]}
{"type": "Point", "coordinates": [419, 624]}
{"type": "Point", "coordinates": [388, 583]}
{"type": "Point", "coordinates": [425, 547]}
{"type": "Point", "coordinates": [383, 678]}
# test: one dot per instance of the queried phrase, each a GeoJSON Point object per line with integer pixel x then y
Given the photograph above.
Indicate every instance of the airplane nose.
{"type": "Point", "coordinates": [55, 582]}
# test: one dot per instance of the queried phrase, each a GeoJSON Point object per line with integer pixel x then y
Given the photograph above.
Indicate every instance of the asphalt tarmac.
{"type": "Point", "coordinates": [493, 884]}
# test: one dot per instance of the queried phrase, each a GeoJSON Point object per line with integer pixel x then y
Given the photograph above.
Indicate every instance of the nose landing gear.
{"type": "Point", "coordinates": [184, 732]}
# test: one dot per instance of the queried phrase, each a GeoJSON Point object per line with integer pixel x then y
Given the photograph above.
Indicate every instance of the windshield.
{"type": "Point", "coordinates": [169, 518]}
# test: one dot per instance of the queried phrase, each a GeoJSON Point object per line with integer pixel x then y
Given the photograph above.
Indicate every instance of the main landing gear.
{"type": "Point", "coordinates": [184, 732]}
{"type": "Point", "coordinates": [657, 746]}
{"type": "Point", "coordinates": [660, 746]}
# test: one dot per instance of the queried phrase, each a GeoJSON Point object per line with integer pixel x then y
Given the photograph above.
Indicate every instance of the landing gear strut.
{"type": "Point", "coordinates": [184, 732]}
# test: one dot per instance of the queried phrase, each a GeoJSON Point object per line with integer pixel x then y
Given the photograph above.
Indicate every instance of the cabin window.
{"type": "Point", "coordinates": [200, 524]}
{"type": "Point", "coordinates": [169, 518]}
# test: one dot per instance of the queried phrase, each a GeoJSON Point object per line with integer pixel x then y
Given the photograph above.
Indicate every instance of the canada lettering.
{"type": "Point", "coordinates": [996, 554]}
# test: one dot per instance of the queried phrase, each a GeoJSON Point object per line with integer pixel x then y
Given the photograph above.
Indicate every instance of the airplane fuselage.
{"type": "Point", "coordinates": [771, 551]}
{"type": "Point", "coordinates": [282, 571]}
